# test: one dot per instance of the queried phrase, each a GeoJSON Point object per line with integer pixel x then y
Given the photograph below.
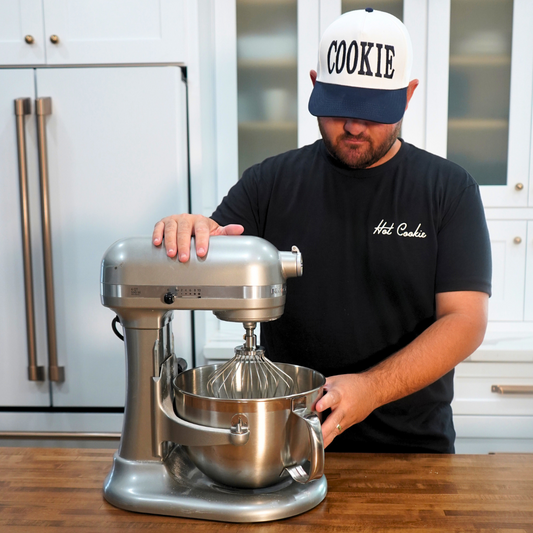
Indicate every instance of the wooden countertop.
{"type": "Point", "coordinates": [60, 490]}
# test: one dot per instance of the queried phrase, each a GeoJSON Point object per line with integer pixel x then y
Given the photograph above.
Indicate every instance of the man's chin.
{"type": "Point", "coordinates": [354, 160]}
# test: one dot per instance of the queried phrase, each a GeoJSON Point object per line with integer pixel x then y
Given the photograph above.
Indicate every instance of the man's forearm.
{"type": "Point", "coordinates": [457, 332]}
{"type": "Point", "coordinates": [440, 348]}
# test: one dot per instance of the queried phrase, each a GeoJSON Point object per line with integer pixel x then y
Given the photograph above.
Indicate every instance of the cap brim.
{"type": "Point", "coordinates": [376, 105]}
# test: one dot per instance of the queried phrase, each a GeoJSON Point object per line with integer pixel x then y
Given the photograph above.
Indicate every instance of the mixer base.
{"type": "Point", "coordinates": [176, 487]}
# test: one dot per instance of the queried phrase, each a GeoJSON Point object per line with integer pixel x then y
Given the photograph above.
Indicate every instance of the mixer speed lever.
{"type": "Point", "coordinates": [168, 298]}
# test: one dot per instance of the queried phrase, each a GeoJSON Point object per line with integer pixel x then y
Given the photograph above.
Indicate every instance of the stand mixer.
{"type": "Point", "coordinates": [183, 450]}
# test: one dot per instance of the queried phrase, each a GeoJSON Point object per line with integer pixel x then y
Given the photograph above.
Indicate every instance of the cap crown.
{"type": "Point", "coordinates": [367, 49]}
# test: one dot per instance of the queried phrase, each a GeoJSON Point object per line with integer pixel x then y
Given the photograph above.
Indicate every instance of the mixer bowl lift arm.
{"type": "Point", "coordinates": [169, 427]}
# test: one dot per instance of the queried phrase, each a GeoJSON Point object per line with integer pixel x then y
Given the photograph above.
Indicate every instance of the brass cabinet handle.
{"type": "Point", "coordinates": [517, 240]}
{"type": "Point", "coordinates": [519, 186]}
{"type": "Point", "coordinates": [23, 108]}
{"type": "Point", "coordinates": [29, 39]}
{"type": "Point", "coordinates": [512, 389]}
{"type": "Point", "coordinates": [54, 39]}
{"type": "Point", "coordinates": [43, 107]}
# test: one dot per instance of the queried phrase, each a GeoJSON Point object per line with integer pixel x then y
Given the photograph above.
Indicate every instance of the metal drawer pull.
{"type": "Point", "coordinates": [58, 435]}
{"type": "Point", "coordinates": [512, 389]}
{"type": "Point", "coordinates": [43, 107]}
{"type": "Point", "coordinates": [23, 108]}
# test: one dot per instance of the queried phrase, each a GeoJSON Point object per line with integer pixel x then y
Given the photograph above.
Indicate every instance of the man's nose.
{"type": "Point", "coordinates": [355, 126]}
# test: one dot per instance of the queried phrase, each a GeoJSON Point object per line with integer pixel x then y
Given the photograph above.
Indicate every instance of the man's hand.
{"type": "Point", "coordinates": [178, 230]}
{"type": "Point", "coordinates": [350, 402]}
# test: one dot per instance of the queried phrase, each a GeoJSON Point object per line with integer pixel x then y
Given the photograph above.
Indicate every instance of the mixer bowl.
{"type": "Point", "coordinates": [284, 431]}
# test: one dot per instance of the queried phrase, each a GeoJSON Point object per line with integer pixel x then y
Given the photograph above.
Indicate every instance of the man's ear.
{"type": "Point", "coordinates": [313, 75]}
{"type": "Point", "coordinates": [413, 84]}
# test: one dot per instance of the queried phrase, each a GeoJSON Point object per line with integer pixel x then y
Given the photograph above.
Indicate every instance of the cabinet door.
{"type": "Point", "coordinates": [528, 309]}
{"type": "Point", "coordinates": [21, 32]}
{"type": "Point", "coordinates": [117, 31]}
{"type": "Point", "coordinates": [267, 47]}
{"type": "Point", "coordinates": [508, 241]}
{"type": "Point", "coordinates": [15, 388]}
{"type": "Point", "coordinates": [262, 53]}
{"type": "Point", "coordinates": [117, 149]}
{"type": "Point", "coordinates": [489, 99]}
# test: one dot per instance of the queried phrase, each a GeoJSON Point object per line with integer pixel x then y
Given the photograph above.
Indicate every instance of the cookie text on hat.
{"type": "Point", "coordinates": [342, 56]}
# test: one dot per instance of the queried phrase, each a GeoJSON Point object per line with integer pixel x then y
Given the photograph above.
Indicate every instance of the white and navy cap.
{"type": "Point", "coordinates": [364, 64]}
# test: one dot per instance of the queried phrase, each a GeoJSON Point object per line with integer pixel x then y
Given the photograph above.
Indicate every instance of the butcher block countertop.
{"type": "Point", "coordinates": [60, 490]}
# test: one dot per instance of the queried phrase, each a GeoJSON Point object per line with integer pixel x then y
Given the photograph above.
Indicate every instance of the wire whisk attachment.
{"type": "Point", "coordinates": [249, 374]}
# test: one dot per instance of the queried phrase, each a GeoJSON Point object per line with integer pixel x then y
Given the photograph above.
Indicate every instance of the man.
{"type": "Point", "coordinates": [394, 239]}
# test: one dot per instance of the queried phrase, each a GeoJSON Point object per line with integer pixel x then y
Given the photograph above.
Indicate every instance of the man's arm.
{"type": "Point", "coordinates": [457, 332]}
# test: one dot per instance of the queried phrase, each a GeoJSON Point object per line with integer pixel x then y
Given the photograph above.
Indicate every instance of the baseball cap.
{"type": "Point", "coordinates": [364, 64]}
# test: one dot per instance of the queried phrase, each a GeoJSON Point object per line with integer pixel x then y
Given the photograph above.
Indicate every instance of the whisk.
{"type": "Point", "coordinates": [249, 374]}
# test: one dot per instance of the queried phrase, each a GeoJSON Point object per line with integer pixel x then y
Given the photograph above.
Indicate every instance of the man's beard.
{"type": "Point", "coordinates": [358, 157]}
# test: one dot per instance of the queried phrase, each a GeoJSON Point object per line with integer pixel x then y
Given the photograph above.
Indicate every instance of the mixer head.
{"type": "Point", "coordinates": [241, 279]}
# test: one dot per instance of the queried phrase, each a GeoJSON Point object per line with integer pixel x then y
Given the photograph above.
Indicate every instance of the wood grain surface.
{"type": "Point", "coordinates": [60, 490]}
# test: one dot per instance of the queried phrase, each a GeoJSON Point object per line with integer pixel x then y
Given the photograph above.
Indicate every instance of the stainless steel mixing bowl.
{"type": "Point", "coordinates": [285, 432]}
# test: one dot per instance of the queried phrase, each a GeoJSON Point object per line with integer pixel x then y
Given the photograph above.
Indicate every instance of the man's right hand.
{"type": "Point", "coordinates": [178, 230]}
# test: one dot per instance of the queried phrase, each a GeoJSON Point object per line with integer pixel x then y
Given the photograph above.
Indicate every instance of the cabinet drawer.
{"type": "Point", "coordinates": [493, 427]}
{"type": "Point", "coordinates": [491, 396]}
{"type": "Point", "coordinates": [493, 389]}
{"type": "Point", "coordinates": [481, 446]}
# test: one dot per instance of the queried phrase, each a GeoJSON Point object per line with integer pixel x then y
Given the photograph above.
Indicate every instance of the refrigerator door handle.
{"type": "Point", "coordinates": [43, 107]}
{"type": "Point", "coordinates": [23, 108]}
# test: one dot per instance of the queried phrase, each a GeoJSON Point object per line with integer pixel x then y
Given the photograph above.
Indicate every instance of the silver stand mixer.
{"type": "Point", "coordinates": [172, 431]}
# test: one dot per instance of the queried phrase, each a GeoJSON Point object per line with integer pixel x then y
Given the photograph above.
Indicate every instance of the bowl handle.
{"type": "Point", "coordinates": [316, 459]}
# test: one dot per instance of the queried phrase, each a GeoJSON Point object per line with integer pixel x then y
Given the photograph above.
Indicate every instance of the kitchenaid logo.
{"type": "Point", "coordinates": [401, 230]}
{"type": "Point", "coordinates": [347, 56]}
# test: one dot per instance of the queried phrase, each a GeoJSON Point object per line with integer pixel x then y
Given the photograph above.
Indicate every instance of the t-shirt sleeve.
{"type": "Point", "coordinates": [241, 205]}
{"type": "Point", "coordinates": [464, 261]}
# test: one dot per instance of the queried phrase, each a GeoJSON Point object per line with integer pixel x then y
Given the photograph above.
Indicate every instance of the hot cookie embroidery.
{"type": "Point", "coordinates": [402, 230]}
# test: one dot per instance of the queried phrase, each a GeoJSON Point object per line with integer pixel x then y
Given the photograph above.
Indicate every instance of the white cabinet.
{"type": "Point", "coordinates": [528, 308]}
{"type": "Point", "coordinates": [117, 160]}
{"type": "Point", "coordinates": [21, 32]}
{"type": "Point", "coordinates": [508, 242]}
{"type": "Point", "coordinates": [479, 90]}
{"type": "Point", "coordinates": [261, 56]}
{"type": "Point", "coordinates": [73, 32]}
{"type": "Point", "coordinates": [493, 405]}
{"type": "Point", "coordinates": [479, 93]}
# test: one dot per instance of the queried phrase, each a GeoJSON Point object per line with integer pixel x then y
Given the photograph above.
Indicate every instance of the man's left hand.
{"type": "Point", "coordinates": [350, 401]}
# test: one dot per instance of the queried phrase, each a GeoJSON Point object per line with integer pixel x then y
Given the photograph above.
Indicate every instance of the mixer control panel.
{"type": "Point", "coordinates": [181, 292]}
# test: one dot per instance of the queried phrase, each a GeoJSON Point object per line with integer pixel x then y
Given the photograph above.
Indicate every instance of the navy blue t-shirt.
{"type": "Point", "coordinates": [377, 245]}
